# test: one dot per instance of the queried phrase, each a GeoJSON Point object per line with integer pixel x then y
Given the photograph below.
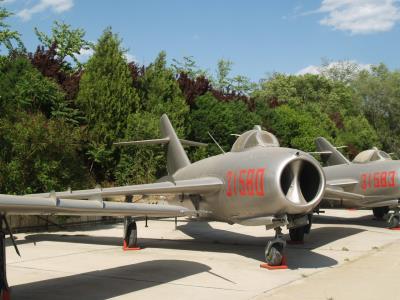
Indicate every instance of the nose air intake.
{"type": "Point", "coordinates": [302, 181]}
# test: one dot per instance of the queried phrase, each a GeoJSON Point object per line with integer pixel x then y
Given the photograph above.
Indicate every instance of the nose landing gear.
{"type": "Point", "coordinates": [274, 252]}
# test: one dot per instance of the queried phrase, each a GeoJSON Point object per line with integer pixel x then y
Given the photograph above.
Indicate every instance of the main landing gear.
{"type": "Point", "coordinates": [130, 230]}
{"type": "Point", "coordinates": [4, 289]}
{"type": "Point", "coordinates": [380, 212]}
{"type": "Point", "coordinates": [297, 233]}
{"type": "Point", "coordinates": [394, 218]}
{"type": "Point", "coordinates": [130, 234]}
{"type": "Point", "coordinates": [4, 229]}
{"type": "Point", "coordinates": [274, 252]}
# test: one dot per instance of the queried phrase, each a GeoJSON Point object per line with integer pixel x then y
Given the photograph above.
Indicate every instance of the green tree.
{"type": "Point", "coordinates": [332, 96]}
{"type": "Point", "coordinates": [107, 98]}
{"type": "Point", "coordinates": [23, 87]}
{"type": "Point", "coordinates": [358, 135]}
{"type": "Point", "coordinates": [222, 81]}
{"type": "Point", "coordinates": [188, 66]}
{"type": "Point", "coordinates": [39, 155]}
{"type": "Point", "coordinates": [379, 93]}
{"type": "Point", "coordinates": [298, 128]}
{"type": "Point", "coordinates": [221, 120]}
{"type": "Point", "coordinates": [70, 42]}
{"type": "Point", "coordinates": [344, 70]}
{"type": "Point", "coordinates": [7, 36]}
{"type": "Point", "coordinates": [159, 94]}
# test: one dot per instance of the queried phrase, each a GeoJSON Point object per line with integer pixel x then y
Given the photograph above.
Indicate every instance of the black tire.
{"type": "Point", "coordinates": [380, 212]}
{"type": "Point", "coordinates": [307, 228]}
{"type": "Point", "coordinates": [131, 235]}
{"type": "Point", "coordinates": [274, 256]}
{"type": "Point", "coordinates": [297, 234]}
{"type": "Point", "coordinates": [394, 222]}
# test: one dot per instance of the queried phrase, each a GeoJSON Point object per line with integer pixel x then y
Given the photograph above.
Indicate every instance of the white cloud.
{"type": "Point", "coordinates": [130, 57]}
{"type": "Point", "coordinates": [309, 70]}
{"type": "Point", "coordinates": [343, 68]}
{"type": "Point", "coordinates": [57, 6]}
{"type": "Point", "coordinates": [360, 16]}
{"type": "Point", "coordinates": [84, 54]}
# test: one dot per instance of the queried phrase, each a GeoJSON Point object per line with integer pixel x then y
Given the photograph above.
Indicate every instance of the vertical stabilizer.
{"type": "Point", "coordinates": [333, 155]}
{"type": "Point", "coordinates": [176, 156]}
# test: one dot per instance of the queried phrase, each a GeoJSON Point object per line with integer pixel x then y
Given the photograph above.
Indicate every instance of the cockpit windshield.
{"type": "Point", "coordinates": [371, 155]}
{"type": "Point", "coordinates": [255, 137]}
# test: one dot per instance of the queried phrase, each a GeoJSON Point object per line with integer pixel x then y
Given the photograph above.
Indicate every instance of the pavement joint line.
{"type": "Point", "coordinates": [131, 279]}
{"type": "Point", "coordinates": [58, 256]}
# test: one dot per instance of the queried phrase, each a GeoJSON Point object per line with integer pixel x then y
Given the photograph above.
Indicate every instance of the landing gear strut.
{"type": "Point", "coordinates": [130, 233]}
{"type": "Point", "coordinates": [297, 234]}
{"type": "Point", "coordinates": [4, 288]}
{"type": "Point", "coordinates": [380, 212]}
{"type": "Point", "coordinates": [130, 230]}
{"type": "Point", "coordinates": [4, 226]}
{"type": "Point", "coordinates": [274, 252]}
{"type": "Point", "coordinates": [394, 218]}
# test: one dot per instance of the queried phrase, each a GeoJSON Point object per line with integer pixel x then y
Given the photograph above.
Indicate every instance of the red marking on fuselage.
{"type": "Point", "coordinates": [250, 182]}
{"type": "Point", "coordinates": [377, 180]}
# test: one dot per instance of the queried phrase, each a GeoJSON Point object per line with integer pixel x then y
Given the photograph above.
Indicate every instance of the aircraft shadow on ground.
{"type": "Point", "coordinates": [368, 220]}
{"type": "Point", "coordinates": [109, 283]}
{"type": "Point", "coordinates": [209, 239]}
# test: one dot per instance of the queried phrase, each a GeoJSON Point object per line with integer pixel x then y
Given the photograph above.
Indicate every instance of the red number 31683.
{"type": "Point", "coordinates": [382, 179]}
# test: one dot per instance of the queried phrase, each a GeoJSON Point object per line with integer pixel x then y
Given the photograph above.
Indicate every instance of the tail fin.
{"type": "Point", "coordinates": [329, 154]}
{"type": "Point", "coordinates": [176, 156]}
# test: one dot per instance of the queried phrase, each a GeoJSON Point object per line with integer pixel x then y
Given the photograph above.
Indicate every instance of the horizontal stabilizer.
{"type": "Point", "coordinates": [329, 154]}
{"type": "Point", "coordinates": [160, 141]}
{"type": "Point", "coordinates": [320, 152]}
{"type": "Point", "coordinates": [144, 142]}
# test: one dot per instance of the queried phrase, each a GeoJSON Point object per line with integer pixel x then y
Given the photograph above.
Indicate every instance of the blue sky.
{"type": "Point", "coordinates": [258, 36]}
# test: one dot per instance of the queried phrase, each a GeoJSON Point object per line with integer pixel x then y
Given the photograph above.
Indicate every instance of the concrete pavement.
{"type": "Point", "coordinates": [207, 261]}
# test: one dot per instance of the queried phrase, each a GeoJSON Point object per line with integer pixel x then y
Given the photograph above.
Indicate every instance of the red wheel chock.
{"type": "Point", "coordinates": [395, 228]}
{"type": "Point", "coordinates": [5, 295]}
{"type": "Point", "coordinates": [282, 266]}
{"type": "Point", "coordinates": [126, 248]}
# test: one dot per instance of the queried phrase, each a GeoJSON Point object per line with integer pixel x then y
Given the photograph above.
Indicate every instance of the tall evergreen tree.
{"type": "Point", "coordinates": [159, 93]}
{"type": "Point", "coordinates": [107, 97]}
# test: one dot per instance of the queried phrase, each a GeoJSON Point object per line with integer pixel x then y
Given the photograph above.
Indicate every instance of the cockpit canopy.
{"type": "Point", "coordinates": [255, 137]}
{"type": "Point", "coordinates": [373, 154]}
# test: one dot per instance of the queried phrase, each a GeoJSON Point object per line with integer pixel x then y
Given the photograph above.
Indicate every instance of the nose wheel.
{"type": "Point", "coordinates": [274, 252]}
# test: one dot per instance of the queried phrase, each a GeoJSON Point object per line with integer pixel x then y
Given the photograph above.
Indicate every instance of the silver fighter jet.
{"type": "Point", "coordinates": [257, 183]}
{"type": "Point", "coordinates": [371, 180]}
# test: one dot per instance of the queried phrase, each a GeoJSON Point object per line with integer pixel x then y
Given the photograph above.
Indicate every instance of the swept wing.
{"type": "Point", "coordinates": [72, 203]}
